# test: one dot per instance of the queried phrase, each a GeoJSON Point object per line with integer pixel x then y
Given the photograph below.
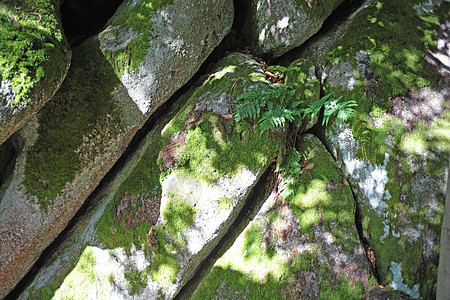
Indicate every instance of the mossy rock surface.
{"type": "Point", "coordinates": [65, 150]}
{"type": "Point", "coordinates": [305, 246]}
{"type": "Point", "coordinates": [34, 58]}
{"type": "Point", "coordinates": [155, 47]}
{"type": "Point", "coordinates": [395, 151]}
{"type": "Point", "coordinates": [181, 196]}
{"type": "Point", "coordinates": [275, 27]}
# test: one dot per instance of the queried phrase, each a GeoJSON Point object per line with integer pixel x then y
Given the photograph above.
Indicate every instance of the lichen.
{"type": "Point", "coordinates": [32, 46]}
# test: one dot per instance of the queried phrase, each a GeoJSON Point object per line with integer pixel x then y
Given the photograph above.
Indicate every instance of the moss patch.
{"type": "Point", "coordinates": [31, 46]}
{"type": "Point", "coordinates": [136, 17]}
{"type": "Point", "coordinates": [255, 267]}
{"type": "Point", "coordinates": [396, 47]}
{"type": "Point", "coordinates": [322, 195]}
{"type": "Point", "coordinates": [82, 104]}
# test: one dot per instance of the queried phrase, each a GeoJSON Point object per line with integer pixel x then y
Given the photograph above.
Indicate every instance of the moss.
{"type": "Point", "coordinates": [225, 203]}
{"type": "Point", "coordinates": [136, 280]}
{"type": "Point", "coordinates": [82, 104]}
{"type": "Point", "coordinates": [31, 46]}
{"type": "Point", "coordinates": [137, 17]}
{"type": "Point", "coordinates": [307, 89]}
{"type": "Point", "coordinates": [323, 195]}
{"type": "Point", "coordinates": [397, 49]}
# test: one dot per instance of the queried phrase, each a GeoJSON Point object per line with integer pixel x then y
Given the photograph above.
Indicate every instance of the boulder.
{"type": "Point", "coordinates": [148, 230]}
{"type": "Point", "coordinates": [303, 245]}
{"type": "Point", "coordinates": [34, 58]}
{"type": "Point", "coordinates": [395, 151]}
{"type": "Point", "coordinates": [156, 48]}
{"type": "Point", "coordinates": [275, 27]}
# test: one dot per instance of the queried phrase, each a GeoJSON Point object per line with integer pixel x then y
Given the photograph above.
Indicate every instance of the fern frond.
{"type": "Point", "coordinates": [314, 107]}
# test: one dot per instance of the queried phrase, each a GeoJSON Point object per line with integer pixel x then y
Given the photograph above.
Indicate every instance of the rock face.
{"type": "Point", "coordinates": [34, 58]}
{"type": "Point", "coordinates": [155, 49]}
{"type": "Point", "coordinates": [275, 27]}
{"type": "Point", "coordinates": [182, 210]}
{"type": "Point", "coordinates": [61, 155]}
{"type": "Point", "coordinates": [304, 246]}
{"type": "Point", "coordinates": [394, 152]}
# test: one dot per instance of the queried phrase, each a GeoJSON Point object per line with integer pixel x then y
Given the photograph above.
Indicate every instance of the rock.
{"type": "Point", "coordinates": [305, 246]}
{"type": "Point", "coordinates": [34, 59]}
{"type": "Point", "coordinates": [150, 229]}
{"type": "Point", "coordinates": [275, 27]}
{"type": "Point", "coordinates": [156, 48]}
{"type": "Point", "coordinates": [59, 158]}
{"type": "Point", "coordinates": [393, 152]}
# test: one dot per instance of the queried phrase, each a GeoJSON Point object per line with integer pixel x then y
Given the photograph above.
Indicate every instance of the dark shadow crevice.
{"type": "Point", "coordinates": [84, 18]}
{"type": "Point", "coordinates": [9, 151]}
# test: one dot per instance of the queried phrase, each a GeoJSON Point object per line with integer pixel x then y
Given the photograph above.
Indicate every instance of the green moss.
{"type": "Point", "coordinates": [82, 104]}
{"type": "Point", "coordinates": [306, 88]}
{"type": "Point", "coordinates": [31, 46]}
{"type": "Point", "coordinates": [322, 193]}
{"type": "Point", "coordinates": [136, 280]}
{"type": "Point", "coordinates": [397, 49]}
{"type": "Point", "coordinates": [209, 155]}
{"type": "Point", "coordinates": [225, 203]}
{"type": "Point", "coordinates": [137, 17]}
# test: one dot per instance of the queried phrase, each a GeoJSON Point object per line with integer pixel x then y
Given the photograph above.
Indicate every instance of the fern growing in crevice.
{"type": "Point", "coordinates": [272, 105]}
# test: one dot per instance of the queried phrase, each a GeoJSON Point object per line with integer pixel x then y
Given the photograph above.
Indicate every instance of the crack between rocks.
{"type": "Point", "coordinates": [319, 131]}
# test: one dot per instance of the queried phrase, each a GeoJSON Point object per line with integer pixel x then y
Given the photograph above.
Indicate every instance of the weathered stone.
{"type": "Point", "coordinates": [181, 170]}
{"type": "Point", "coordinates": [156, 50]}
{"type": "Point", "coordinates": [305, 246]}
{"type": "Point", "coordinates": [395, 150]}
{"type": "Point", "coordinates": [275, 27]}
{"type": "Point", "coordinates": [34, 59]}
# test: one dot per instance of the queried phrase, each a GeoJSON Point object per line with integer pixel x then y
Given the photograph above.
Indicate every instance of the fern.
{"type": "Point", "coordinates": [277, 102]}
{"type": "Point", "coordinates": [274, 105]}
{"type": "Point", "coordinates": [314, 108]}
{"type": "Point", "coordinates": [342, 110]}
{"type": "Point", "coordinates": [292, 169]}
{"type": "Point", "coordinates": [254, 100]}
